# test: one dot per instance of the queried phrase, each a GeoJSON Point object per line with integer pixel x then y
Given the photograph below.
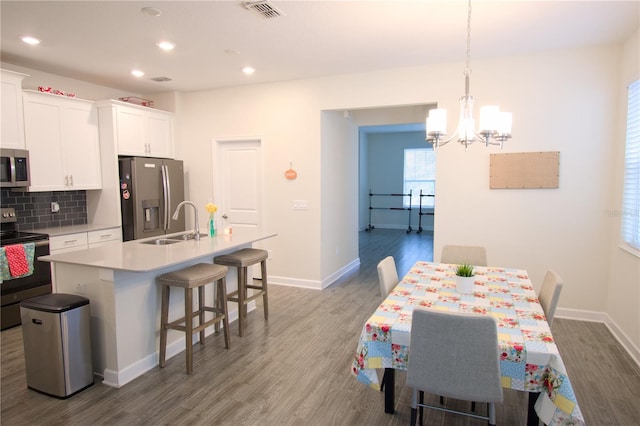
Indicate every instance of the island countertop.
{"type": "Point", "coordinates": [135, 256]}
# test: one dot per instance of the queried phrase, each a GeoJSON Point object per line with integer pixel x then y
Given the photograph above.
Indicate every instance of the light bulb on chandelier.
{"type": "Point", "coordinates": [494, 128]}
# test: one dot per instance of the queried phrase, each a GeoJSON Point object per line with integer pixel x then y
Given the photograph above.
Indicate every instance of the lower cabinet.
{"type": "Point", "coordinates": [83, 240]}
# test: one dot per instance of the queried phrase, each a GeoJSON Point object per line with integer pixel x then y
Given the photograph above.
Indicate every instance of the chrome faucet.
{"type": "Point", "coordinates": [196, 231]}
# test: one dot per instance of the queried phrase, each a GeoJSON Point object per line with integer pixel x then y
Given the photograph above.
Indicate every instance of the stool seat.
{"type": "Point", "coordinates": [195, 276]}
{"type": "Point", "coordinates": [242, 259]}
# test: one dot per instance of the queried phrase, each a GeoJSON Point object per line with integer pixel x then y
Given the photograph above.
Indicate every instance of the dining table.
{"type": "Point", "coordinates": [529, 358]}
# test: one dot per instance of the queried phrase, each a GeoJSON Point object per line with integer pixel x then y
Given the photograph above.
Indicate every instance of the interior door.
{"type": "Point", "coordinates": [239, 183]}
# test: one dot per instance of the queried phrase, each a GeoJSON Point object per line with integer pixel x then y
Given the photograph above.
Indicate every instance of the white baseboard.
{"type": "Point", "coordinates": [117, 379]}
{"type": "Point", "coordinates": [314, 284]}
{"type": "Point", "coordinates": [603, 317]}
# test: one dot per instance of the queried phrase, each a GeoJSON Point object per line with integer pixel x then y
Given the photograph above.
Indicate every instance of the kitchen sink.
{"type": "Point", "coordinates": [189, 236]}
{"type": "Point", "coordinates": [162, 242]}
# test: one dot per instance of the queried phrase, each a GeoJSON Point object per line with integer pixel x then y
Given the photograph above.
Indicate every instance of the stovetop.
{"type": "Point", "coordinates": [9, 234]}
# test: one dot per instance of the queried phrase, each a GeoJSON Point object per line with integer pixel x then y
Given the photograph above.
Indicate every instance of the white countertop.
{"type": "Point", "coordinates": [71, 229]}
{"type": "Point", "coordinates": [134, 256]}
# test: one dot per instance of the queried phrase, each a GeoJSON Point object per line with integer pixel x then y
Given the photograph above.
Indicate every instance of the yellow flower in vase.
{"type": "Point", "coordinates": [211, 208]}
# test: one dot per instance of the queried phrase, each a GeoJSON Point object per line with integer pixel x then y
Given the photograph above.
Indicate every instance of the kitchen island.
{"type": "Point", "coordinates": [120, 282]}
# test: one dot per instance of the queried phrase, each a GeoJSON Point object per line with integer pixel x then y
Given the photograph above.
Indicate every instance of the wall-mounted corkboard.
{"type": "Point", "coordinates": [524, 170]}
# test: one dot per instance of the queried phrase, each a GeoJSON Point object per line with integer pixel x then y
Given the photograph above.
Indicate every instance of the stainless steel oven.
{"type": "Point", "coordinates": [12, 292]}
{"type": "Point", "coordinates": [14, 168]}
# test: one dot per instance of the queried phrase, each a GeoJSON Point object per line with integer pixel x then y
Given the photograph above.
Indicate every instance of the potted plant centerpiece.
{"type": "Point", "coordinates": [465, 278]}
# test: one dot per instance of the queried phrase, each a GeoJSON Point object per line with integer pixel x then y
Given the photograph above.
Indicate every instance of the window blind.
{"type": "Point", "coordinates": [631, 191]}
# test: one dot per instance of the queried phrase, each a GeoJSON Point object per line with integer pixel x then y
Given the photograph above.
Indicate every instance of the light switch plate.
{"type": "Point", "coordinates": [300, 204]}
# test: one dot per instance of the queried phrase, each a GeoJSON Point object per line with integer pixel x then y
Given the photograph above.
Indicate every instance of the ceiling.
{"type": "Point", "coordinates": [102, 41]}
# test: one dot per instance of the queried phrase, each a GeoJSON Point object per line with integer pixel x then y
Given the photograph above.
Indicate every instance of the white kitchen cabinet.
{"type": "Point", "coordinates": [104, 237]}
{"type": "Point", "coordinates": [11, 110]}
{"type": "Point", "coordinates": [61, 135]}
{"type": "Point", "coordinates": [138, 130]}
{"type": "Point", "coordinates": [69, 242]}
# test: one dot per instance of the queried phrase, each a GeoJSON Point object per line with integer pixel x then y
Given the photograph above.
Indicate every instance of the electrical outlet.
{"type": "Point", "coordinates": [55, 207]}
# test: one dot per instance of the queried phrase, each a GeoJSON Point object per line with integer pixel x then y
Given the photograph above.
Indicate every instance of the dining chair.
{"type": "Point", "coordinates": [387, 275]}
{"type": "Point", "coordinates": [455, 355]}
{"type": "Point", "coordinates": [550, 293]}
{"type": "Point", "coordinates": [473, 255]}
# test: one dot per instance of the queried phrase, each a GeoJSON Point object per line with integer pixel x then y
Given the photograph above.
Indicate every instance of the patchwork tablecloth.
{"type": "Point", "coordinates": [529, 359]}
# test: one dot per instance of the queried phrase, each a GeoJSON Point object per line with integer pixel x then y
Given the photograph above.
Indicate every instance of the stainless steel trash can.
{"type": "Point", "coordinates": [56, 331]}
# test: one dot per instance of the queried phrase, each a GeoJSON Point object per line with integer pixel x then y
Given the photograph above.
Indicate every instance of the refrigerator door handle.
{"type": "Point", "coordinates": [166, 194]}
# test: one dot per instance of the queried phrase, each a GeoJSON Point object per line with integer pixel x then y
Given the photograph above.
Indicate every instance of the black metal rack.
{"type": "Point", "coordinates": [420, 213]}
{"type": "Point", "coordinates": [370, 227]}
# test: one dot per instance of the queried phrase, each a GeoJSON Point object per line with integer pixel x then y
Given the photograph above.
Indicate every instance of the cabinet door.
{"type": "Point", "coordinates": [11, 109]}
{"type": "Point", "coordinates": [81, 146]}
{"type": "Point", "coordinates": [130, 133]}
{"type": "Point", "coordinates": [158, 133]}
{"type": "Point", "coordinates": [44, 142]}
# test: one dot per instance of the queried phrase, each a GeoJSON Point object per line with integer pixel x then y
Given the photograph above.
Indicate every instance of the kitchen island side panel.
{"type": "Point", "coordinates": [125, 316]}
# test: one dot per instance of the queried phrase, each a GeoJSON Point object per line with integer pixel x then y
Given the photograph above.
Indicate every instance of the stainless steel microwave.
{"type": "Point", "coordinates": [14, 168]}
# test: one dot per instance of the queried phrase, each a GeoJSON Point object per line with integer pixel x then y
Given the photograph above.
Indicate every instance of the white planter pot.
{"type": "Point", "coordinates": [465, 284]}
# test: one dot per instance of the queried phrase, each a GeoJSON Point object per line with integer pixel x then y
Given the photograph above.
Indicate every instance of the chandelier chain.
{"type": "Point", "coordinates": [467, 70]}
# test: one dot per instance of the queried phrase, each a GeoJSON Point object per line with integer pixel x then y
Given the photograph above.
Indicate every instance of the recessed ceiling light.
{"type": "Point", "coordinates": [30, 40]}
{"type": "Point", "coordinates": [248, 70]}
{"type": "Point", "coordinates": [165, 45]}
{"type": "Point", "coordinates": [151, 11]}
{"type": "Point", "coordinates": [137, 73]}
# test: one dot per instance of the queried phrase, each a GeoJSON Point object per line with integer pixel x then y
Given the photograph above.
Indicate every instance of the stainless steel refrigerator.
{"type": "Point", "coordinates": [150, 190]}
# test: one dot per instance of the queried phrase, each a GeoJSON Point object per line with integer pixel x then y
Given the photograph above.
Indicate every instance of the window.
{"type": "Point", "coordinates": [419, 174]}
{"type": "Point", "coordinates": [631, 191]}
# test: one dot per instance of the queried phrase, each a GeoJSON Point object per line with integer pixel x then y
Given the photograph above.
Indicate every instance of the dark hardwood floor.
{"type": "Point", "coordinates": [295, 368]}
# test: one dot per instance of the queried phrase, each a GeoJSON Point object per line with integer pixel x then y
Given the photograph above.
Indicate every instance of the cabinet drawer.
{"type": "Point", "coordinates": [105, 235]}
{"type": "Point", "coordinates": [60, 242]}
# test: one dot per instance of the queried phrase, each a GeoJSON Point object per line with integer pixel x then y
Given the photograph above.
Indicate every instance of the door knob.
{"type": "Point", "coordinates": [224, 216]}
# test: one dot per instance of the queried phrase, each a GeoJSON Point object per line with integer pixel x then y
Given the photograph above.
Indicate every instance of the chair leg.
{"type": "Point", "coordinates": [414, 405]}
{"type": "Point", "coordinates": [222, 296]}
{"type": "Point", "coordinates": [492, 414]}
{"type": "Point", "coordinates": [242, 293]}
{"type": "Point", "coordinates": [201, 311]}
{"type": "Point", "coordinates": [188, 322]}
{"type": "Point", "coordinates": [164, 319]}
{"type": "Point", "coordinates": [265, 298]}
{"type": "Point", "coordinates": [414, 415]}
{"type": "Point", "coordinates": [473, 406]}
{"type": "Point", "coordinates": [421, 403]}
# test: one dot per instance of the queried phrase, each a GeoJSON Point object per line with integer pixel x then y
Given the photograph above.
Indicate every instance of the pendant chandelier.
{"type": "Point", "coordinates": [494, 128]}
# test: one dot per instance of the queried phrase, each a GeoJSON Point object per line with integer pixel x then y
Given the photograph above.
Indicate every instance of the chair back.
{"type": "Point", "coordinates": [387, 275]}
{"type": "Point", "coordinates": [455, 355]}
{"type": "Point", "coordinates": [550, 293]}
{"type": "Point", "coordinates": [473, 255]}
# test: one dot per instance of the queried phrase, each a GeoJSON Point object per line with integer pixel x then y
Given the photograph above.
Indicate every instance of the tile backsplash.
{"type": "Point", "coordinates": [34, 208]}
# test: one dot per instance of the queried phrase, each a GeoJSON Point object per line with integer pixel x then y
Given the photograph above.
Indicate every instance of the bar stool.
{"type": "Point", "coordinates": [242, 259]}
{"type": "Point", "coordinates": [196, 276]}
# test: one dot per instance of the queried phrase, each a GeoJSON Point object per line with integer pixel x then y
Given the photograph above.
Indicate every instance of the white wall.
{"type": "Point", "coordinates": [623, 298]}
{"type": "Point", "coordinates": [563, 101]}
{"type": "Point", "coordinates": [82, 89]}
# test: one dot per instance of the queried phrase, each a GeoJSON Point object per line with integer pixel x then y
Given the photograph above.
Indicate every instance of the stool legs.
{"type": "Point", "coordinates": [265, 300]}
{"type": "Point", "coordinates": [220, 312]}
{"type": "Point", "coordinates": [188, 322]}
{"type": "Point", "coordinates": [164, 319]}
{"type": "Point", "coordinates": [242, 295]}
{"type": "Point", "coordinates": [221, 299]}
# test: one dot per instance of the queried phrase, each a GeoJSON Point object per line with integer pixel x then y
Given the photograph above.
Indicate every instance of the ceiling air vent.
{"type": "Point", "coordinates": [161, 79]}
{"type": "Point", "coordinates": [263, 8]}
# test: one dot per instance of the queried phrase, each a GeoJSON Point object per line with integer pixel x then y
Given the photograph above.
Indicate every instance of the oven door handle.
{"type": "Point", "coordinates": [42, 243]}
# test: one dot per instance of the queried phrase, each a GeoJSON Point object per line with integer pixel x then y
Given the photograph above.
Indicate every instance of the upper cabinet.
{"type": "Point", "coordinates": [11, 119]}
{"type": "Point", "coordinates": [61, 135]}
{"type": "Point", "coordinates": [137, 130]}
